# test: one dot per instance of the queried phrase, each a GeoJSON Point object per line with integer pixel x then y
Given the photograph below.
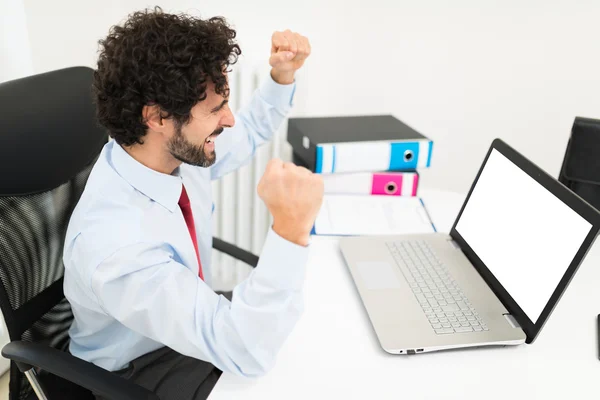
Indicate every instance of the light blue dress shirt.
{"type": "Point", "coordinates": [131, 273]}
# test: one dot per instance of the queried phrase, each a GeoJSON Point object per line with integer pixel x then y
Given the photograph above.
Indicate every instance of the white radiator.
{"type": "Point", "coordinates": [240, 215]}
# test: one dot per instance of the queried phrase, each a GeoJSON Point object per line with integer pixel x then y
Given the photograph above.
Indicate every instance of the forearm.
{"type": "Point", "coordinates": [256, 123]}
{"type": "Point", "coordinates": [268, 304]}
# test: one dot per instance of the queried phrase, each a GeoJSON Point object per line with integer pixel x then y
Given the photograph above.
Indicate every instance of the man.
{"type": "Point", "coordinates": [137, 252]}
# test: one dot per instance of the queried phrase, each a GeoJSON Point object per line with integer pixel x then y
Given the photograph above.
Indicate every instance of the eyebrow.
{"type": "Point", "coordinates": [217, 108]}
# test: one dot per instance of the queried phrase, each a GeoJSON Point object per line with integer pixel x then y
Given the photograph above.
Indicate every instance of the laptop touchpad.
{"type": "Point", "coordinates": [378, 275]}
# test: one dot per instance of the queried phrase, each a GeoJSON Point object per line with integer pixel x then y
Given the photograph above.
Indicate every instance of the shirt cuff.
{"type": "Point", "coordinates": [279, 96]}
{"type": "Point", "coordinates": [282, 263]}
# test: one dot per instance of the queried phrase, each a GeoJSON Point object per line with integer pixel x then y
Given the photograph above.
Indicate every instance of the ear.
{"type": "Point", "coordinates": [151, 116]}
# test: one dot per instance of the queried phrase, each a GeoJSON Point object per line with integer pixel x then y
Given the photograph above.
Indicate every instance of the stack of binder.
{"type": "Point", "coordinates": [375, 155]}
{"type": "Point", "coordinates": [371, 155]}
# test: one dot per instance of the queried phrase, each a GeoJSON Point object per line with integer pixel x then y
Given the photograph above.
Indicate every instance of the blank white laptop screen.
{"type": "Point", "coordinates": [526, 236]}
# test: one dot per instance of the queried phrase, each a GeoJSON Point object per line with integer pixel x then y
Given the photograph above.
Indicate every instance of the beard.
{"type": "Point", "coordinates": [189, 153]}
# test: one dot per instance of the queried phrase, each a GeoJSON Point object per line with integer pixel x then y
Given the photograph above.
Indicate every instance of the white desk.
{"type": "Point", "coordinates": [333, 352]}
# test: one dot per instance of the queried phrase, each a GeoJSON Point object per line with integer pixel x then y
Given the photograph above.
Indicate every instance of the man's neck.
{"type": "Point", "coordinates": [153, 157]}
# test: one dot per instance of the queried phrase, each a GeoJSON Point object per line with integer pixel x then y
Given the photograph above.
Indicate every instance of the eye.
{"type": "Point", "coordinates": [219, 107]}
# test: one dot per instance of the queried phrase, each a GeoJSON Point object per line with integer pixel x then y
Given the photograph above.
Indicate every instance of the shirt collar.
{"type": "Point", "coordinates": [162, 188]}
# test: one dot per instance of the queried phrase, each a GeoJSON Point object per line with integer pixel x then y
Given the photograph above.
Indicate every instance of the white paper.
{"type": "Point", "coordinates": [372, 215]}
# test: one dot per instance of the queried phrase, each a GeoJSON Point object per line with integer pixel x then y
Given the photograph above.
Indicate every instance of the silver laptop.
{"type": "Point", "coordinates": [494, 280]}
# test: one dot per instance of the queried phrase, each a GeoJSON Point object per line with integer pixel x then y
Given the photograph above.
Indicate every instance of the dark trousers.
{"type": "Point", "coordinates": [171, 375]}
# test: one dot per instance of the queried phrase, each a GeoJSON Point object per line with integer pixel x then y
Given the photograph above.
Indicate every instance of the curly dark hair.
{"type": "Point", "coordinates": [160, 59]}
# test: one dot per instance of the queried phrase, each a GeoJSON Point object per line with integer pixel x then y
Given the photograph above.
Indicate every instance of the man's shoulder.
{"type": "Point", "coordinates": [108, 203]}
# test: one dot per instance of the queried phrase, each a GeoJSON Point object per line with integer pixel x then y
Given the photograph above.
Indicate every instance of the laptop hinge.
{"type": "Point", "coordinates": [512, 321]}
{"type": "Point", "coordinates": [453, 243]}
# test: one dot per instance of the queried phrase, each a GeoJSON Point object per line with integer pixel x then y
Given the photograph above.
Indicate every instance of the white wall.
{"type": "Point", "coordinates": [462, 72]}
{"type": "Point", "coordinates": [15, 53]}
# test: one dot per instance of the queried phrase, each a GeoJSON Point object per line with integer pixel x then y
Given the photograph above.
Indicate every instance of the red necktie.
{"type": "Point", "coordinates": [186, 209]}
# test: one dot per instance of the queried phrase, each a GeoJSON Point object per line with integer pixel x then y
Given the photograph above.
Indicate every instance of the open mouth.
{"type": "Point", "coordinates": [212, 137]}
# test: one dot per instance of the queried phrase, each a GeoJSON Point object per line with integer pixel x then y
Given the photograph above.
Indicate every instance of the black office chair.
{"type": "Point", "coordinates": [49, 141]}
{"type": "Point", "coordinates": [580, 170]}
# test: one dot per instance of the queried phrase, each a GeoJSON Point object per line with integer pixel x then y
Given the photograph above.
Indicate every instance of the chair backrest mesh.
{"type": "Point", "coordinates": [49, 142]}
{"type": "Point", "coordinates": [32, 234]}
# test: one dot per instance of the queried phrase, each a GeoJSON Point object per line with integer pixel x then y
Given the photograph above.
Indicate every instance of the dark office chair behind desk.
{"type": "Point", "coordinates": [580, 170]}
{"type": "Point", "coordinates": [49, 141]}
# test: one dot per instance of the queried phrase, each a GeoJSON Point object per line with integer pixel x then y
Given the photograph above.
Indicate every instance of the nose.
{"type": "Point", "coordinates": [228, 119]}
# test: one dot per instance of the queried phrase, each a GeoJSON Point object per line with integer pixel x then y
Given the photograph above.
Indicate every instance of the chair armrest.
{"type": "Point", "coordinates": [236, 252]}
{"type": "Point", "coordinates": [76, 370]}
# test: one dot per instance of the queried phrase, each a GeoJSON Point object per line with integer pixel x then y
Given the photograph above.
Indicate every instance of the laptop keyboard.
{"type": "Point", "coordinates": [443, 302]}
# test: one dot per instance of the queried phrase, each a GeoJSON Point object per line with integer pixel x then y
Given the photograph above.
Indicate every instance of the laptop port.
{"type": "Point", "coordinates": [410, 351]}
{"type": "Point", "coordinates": [419, 350]}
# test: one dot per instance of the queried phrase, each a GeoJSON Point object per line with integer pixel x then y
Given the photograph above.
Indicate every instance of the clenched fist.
{"type": "Point", "coordinates": [289, 50]}
{"type": "Point", "coordinates": [293, 196]}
